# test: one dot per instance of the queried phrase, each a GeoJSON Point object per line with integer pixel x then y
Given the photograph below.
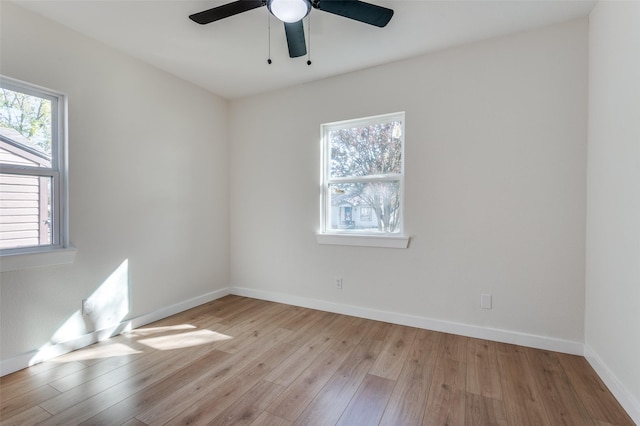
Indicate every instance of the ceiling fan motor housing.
{"type": "Point", "coordinates": [289, 10]}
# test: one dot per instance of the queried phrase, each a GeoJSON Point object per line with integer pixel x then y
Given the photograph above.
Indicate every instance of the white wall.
{"type": "Point", "coordinates": [495, 186]}
{"type": "Point", "coordinates": [495, 199]}
{"type": "Point", "coordinates": [148, 184]}
{"type": "Point", "coordinates": [612, 319]}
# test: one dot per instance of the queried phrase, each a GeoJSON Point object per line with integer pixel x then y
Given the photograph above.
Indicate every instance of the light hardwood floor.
{"type": "Point", "coordinates": [244, 361]}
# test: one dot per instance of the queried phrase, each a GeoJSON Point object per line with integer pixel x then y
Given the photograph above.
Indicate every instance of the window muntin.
{"type": "Point", "coordinates": [32, 168]}
{"type": "Point", "coordinates": [363, 165]}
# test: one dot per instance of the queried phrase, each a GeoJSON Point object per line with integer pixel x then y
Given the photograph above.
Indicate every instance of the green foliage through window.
{"type": "Point", "coordinates": [29, 115]}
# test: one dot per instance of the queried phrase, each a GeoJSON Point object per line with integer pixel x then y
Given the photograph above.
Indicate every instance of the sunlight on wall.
{"type": "Point", "coordinates": [104, 317]}
{"type": "Point", "coordinates": [110, 302]}
{"type": "Point", "coordinates": [109, 306]}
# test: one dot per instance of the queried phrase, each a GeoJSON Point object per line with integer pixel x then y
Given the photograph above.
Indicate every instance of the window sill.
{"type": "Point", "coordinates": [385, 241]}
{"type": "Point", "coordinates": [37, 259]}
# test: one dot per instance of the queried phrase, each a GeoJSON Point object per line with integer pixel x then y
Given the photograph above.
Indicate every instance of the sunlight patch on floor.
{"type": "Point", "coordinates": [151, 331]}
{"type": "Point", "coordinates": [177, 339]}
{"type": "Point", "coordinates": [99, 352]}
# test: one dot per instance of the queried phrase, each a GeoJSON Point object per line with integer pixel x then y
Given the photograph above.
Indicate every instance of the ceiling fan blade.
{"type": "Point", "coordinates": [225, 11]}
{"type": "Point", "coordinates": [354, 9]}
{"type": "Point", "coordinates": [295, 39]}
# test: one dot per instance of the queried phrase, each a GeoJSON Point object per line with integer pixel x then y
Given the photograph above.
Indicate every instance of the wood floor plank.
{"type": "Point", "coordinates": [215, 311]}
{"type": "Point", "coordinates": [33, 416]}
{"type": "Point", "coordinates": [112, 357]}
{"type": "Point", "coordinates": [268, 419]}
{"type": "Point", "coordinates": [26, 373]}
{"type": "Point", "coordinates": [293, 401]}
{"type": "Point", "coordinates": [290, 369]}
{"type": "Point", "coordinates": [11, 407]}
{"type": "Point", "coordinates": [86, 407]}
{"type": "Point", "coordinates": [161, 392]}
{"type": "Point", "coordinates": [521, 398]}
{"type": "Point", "coordinates": [249, 407]}
{"type": "Point", "coordinates": [369, 402]}
{"type": "Point", "coordinates": [210, 365]}
{"type": "Point", "coordinates": [389, 364]}
{"type": "Point", "coordinates": [123, 381]}
{"type": "Point", "coordinates": [562, 405]}
{"type": "Point", "coordinates": [483, 371]}
{"type": "Point", "coordinates": [407, 402]}
{"type": "Point", "coordinates": [249, 337]}
{"type": "Point", "coordinates": [263, 320]}
{"type": "Point", "coordinates": [592, 391]}
{"type": "Point", "coordinates": [446, 400]}
{"type": "Point", "coordinates": [133, 422]}
{"type": "Point", "coordinates": [234, 307]}
{"type": "Point", "coordinates": [484, 411]}
{"type": "Point", "coordinates": [304, 322]}
{"type": "Point", "coordinates": [212, 401]}
{"type": "Point", "coordinates": [329, 404]}
{"type": "Point", "coordinates": [247, 311]}
{"type": "Point", "coordinates": [26, 382]}
{"type": "Point", "coordinates": [453, 347]}
{"type": "Point", "coordinates": [118, 346]}
{"type": "Point", "coordinates": [212, 380]}
{"type": "Point", "coordinates": [351, 334]}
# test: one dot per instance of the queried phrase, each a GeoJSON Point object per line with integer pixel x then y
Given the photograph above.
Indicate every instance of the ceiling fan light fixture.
{"type": "Point", "coordinates": [289, 10]}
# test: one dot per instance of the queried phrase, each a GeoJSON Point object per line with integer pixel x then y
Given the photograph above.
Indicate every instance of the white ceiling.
{"type": "Point", "coordinates": [229, 57]}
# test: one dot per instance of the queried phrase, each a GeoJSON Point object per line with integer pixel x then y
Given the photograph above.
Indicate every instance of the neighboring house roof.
{"type": "Point", "coordinates": [16, 139]}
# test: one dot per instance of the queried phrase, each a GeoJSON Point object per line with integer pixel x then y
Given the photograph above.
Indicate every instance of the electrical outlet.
{"type": "Point", "coordinates": [485, 301]}
{"type": "Point", "coordinates": [87, 307]}
{"type": "Point", "coordinates": [339, 283]}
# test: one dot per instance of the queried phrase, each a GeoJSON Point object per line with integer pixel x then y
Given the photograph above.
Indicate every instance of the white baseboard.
{"type": "Point", "coordinates": [177, 308]}
{"type": "Point", "coordinates": [629, 403]}
{"type": "Point", "coordinates": [498, 335]}
{"type": "Point", "coordinates": [30, 358]}
{"type": "Point", "coordinates": [624, 397]}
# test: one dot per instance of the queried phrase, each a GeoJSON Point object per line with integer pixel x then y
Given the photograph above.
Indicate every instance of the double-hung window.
{"type": "Point", "coordinates": [33, 184]}
{"type": "Point", "coordinates": [363, 181]}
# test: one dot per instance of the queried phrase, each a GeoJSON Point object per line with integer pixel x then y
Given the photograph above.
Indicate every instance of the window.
{"type": "Point", "coordinates": [363, 177]}
{"type": "Point", "coordinates": [33, 185]}
{"type": "Point", "coordinates": [365, 214]}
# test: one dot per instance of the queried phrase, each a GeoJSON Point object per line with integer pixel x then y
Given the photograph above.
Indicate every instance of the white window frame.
{"type": "Point", "coordinates": [355, 237]}
{"type": "Point", "coordinates": [59, 251]}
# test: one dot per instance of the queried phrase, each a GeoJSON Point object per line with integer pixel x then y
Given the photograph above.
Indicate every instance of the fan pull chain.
{"type": "Point", "coordinates": [269, 37]}
{"type": "Point", "coordinates": [309, 37]}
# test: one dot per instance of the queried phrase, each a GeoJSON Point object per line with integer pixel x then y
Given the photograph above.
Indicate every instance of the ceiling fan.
{"type": "Point", "coordinates": [291, 12]}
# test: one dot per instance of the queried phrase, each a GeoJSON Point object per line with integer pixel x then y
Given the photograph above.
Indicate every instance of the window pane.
{"type": "Point", "coordinates": [370, 206]}
{"type": "Point", "coordinates": [25, 129]}
{"type": "Point", "coordinates": [25, 211]}
{"type": "Point", "coordinates": [370, 150]}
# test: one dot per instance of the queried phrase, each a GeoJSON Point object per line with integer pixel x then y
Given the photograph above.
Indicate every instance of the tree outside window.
{"type": "Point", "coordinates": [364, 170]}
{"type": "Point", "coordinates": [32, 168]}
